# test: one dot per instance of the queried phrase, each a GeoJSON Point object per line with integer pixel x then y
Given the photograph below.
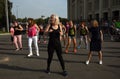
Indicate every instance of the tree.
{"type": "Point", "coordinates": [2, 13]}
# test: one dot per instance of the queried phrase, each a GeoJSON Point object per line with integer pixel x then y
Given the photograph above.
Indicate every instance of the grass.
{"type": "Point", "coordinates": [1, 32]}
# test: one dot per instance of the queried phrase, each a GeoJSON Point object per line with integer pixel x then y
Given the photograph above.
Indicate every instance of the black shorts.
{"type": "Point", "coordinates": [41, 33]}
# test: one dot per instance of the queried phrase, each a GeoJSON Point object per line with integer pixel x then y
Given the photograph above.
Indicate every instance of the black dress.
{"type": "Point", "coordinates": [95, 44]}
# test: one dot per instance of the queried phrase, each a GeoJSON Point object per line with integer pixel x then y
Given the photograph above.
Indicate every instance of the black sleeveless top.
{"type": "Point", "coordinates": [71, 31]}
{"type": "Point", "coordinates": [17, 32]}
{"type": "Point", "coordinates": [55, 34]}
{"type": "Point", "coordinates": [95, 31]}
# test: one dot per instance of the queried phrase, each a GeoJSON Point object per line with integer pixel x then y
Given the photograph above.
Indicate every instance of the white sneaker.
{"type": "Point", "coordinates": [100, 62]}
{"type": "Point", "coordinates": [38, 54]}
{"type": "Point", "coordinates": [29, 55]}
{"type": "Point", "coordinates": [87, 62]}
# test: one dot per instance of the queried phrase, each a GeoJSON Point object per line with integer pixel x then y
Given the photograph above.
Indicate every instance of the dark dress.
{"type": "Point", "coordinates": [95, 44]}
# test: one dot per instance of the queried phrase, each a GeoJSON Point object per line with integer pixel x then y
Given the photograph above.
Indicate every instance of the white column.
{"type": "Point", "coordinates": [85, 14]}
{"type": "Point", "coordinates": [109, 10]}
{"type": "Point", "coordinates": [75, 18]}
{"type": "Point", "coordinates": [100, 10]}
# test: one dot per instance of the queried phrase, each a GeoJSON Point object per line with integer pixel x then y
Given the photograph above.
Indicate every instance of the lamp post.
{"type": "Point", "coordinates": [7, 18]}
{"type": "Point", "coordinates": [17, 11]}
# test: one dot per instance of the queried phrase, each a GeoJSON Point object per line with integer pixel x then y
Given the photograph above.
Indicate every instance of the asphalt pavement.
{"type": "Point", "coordinates": [16, 64]}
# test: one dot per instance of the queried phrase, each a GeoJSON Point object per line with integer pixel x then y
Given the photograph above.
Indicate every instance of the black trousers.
{"type": "Point", "coordinates": [55, 47]}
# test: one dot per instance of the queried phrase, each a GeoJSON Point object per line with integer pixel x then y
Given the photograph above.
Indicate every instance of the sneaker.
{"type": "Point", "coordinates": [87, 62]}
{"type": "Point", "coordinates": [16, 49]}
{"type": "Point", "coordinates": [21, 48]}
{"type": "Point", "coordinates": [78, 47]}
{"type": "Point", "coordinates": [75, 50]}
{"type": "Point", "coordinates": [100, 62]}
{"type": "Point", "coordinates": [29, 55]}
{"type": "Point", "coordinates": [38, 54]}
{"type": "Point", "coordinates": [45, 42]}
{"type": "Point", "coordinates": [66, 51]}
{"type": "Point", "coordinates": [48, 72]}
{"type": "Point", "coordinates": [65, 74]}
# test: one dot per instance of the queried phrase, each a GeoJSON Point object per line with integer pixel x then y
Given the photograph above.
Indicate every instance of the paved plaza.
{"type": "Point", "coordinates": [16, 64]}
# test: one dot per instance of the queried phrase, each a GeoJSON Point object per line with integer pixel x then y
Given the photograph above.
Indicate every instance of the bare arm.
{"type": "Point", "coordinates": [20, 28]}
{"type": "Point", "coordinates": [101, 35]}
{"type": "Point", "coordinates": [47, 29]}
{"type": "Point", "coordinates": [37, 27]}
{"type": "Point", "coordinates": [75, 27]}
{"type": "Point", "coordinates": [61, 31]}
{"type": "Point", "coordinates": [87, 29]}
{"type": "Point", "coordinates": [64, 28]}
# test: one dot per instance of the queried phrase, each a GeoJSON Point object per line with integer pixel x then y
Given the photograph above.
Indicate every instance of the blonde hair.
{"type": "Point", "coordinates": [95, 23]}
{"type": "Point", "coordinates": [57, 21]}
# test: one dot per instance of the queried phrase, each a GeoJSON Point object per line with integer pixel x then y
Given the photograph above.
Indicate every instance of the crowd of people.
{"type": "Point", "coordinates": [59, 35]}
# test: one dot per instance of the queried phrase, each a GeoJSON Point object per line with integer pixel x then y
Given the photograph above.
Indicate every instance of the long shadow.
{"type": "Point", "coordinates": [6, 48]}
{"type": "Point", "coordinates": [115, 66]}
{"type": "Point", "coordinates": [17, 68]}
{"type": "Point", "coordinates": [5, 43]}
{"type": "Point", "coordinates": [95, 54]}
{"type": "Point", "coordinates": [112, 52]}
{"type": "Point", "coordinates": [111, 56]}
{"type": "Point", "coordinates": [111, 47]}
{"type": "Point", "coordinates": [4, 53]}
{"type": "Point", "coordinates": [72, 53]}
{"type": "Point", "coordinates": [67, 61]}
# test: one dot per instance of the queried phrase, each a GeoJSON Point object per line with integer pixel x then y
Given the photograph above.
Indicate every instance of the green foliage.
{"type": "Point", "coordinates": [3, 12]}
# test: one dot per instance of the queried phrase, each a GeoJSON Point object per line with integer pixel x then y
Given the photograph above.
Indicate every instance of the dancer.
{"type": "Point", "coordinates": [83, 30]}
{"type": "Point", "coordinates": [32, 36]}
{"type": "Point", "coordinates": [55, 31]}
{"type": "Point", "coordinates": [17, 35]}
{"type": "Point", "coordinates": [71, 36]}
{"type": "Point", "coordinates": [95, 41]}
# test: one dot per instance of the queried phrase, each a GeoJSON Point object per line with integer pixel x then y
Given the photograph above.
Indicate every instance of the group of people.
{"type": "Point", "coordinates": [58, 32]}
{"type": "Point", "coordinates": [93, 34]}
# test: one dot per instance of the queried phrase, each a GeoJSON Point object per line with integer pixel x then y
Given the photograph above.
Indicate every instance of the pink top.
{"type": "Point", "coordinates": [12, 31]}
{"type": "Point", "coordinates": [32, 31]}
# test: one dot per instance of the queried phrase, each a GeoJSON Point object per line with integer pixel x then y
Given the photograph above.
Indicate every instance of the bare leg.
{"type": "Point", "coordinates": [68, 45]}
{"type": "Point", "coordinates": [75, 44]}
{"type": "Point", "coordinates": [89, 57]}
{"type": "Point", "coordinates": [100, 55]}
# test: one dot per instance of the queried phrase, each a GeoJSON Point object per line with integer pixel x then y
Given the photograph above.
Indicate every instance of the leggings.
{"type": "Point", "coordinates": [58, 49]}
{"type": "Point", "coordinates": [34, 39]}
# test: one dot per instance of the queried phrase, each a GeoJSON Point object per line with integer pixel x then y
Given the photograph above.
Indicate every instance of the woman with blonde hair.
{"type": "Point", "coordinates": [55, 31]}
{"type": "Point", "coordinates": [95, 41]}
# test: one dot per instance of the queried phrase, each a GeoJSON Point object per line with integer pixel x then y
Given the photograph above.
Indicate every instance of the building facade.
{"type": "Point", "coordinates": [93, 9]}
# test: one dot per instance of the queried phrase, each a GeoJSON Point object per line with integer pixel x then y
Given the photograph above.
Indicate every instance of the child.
{"type": "Point", "coordinates": [12, 33]}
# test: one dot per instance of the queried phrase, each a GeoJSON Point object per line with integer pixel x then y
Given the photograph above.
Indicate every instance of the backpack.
{"type": "Point", "coordinates": [32, 31]}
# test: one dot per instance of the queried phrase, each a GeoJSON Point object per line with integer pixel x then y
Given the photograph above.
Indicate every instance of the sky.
{"type": "Point", "coordinates": [37, 8]}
